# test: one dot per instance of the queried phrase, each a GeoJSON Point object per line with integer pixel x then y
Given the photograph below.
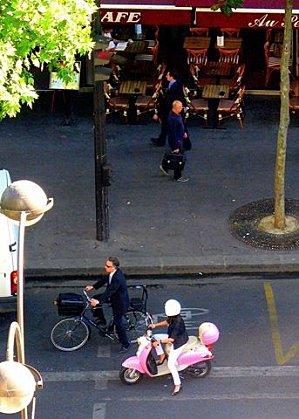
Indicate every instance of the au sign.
{"type": "Point", "coordinates": [267, 21]}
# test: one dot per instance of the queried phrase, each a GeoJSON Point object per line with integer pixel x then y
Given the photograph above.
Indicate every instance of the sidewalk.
{"type": "Point", "coordinates": [157, 226]}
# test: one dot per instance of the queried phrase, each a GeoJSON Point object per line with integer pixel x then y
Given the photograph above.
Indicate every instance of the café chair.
{"type": "Point", "coordinates": [197, 107]}
{"type": "Point", "coordinates": [115, 103]}
{"type": "Point", "coordinates": [294, 104]}
{"type": "Point", "coordinates": [199, 31]}
{"type": "Point", "coordinates": [272, 63]}
{"type": "Point", "coordinates": [145, 104]}
{"type": "Point", "coordinates": [236, 81]}
{"type": "Point", "coordinates": [199, 81]}
{"type": "Point", "coordinates": [229, 55]}
{"type": "Point", "coordinates": [197, 56]}
{"type": "Point", "coordinates": [230, 32]}
{"type": "Point", "coordinates": [232, 108]}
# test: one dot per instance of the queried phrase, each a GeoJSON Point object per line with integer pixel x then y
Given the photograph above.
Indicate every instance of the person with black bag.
{"type": "Point", "coordinates": [174, 91]}
{"type": "Point", "coordinates": [175, 159]}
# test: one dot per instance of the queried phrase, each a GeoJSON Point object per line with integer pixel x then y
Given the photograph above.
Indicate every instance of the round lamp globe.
{"type": "Point", "coordinates": [17, 387]}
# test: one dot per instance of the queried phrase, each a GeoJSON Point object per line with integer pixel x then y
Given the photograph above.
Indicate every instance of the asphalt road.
{"type": "Point", "coordinates": [255, 373]}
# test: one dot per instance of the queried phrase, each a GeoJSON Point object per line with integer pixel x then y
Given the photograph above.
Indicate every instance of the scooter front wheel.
{"type": "Point", "coordinates": [200, 369]}
{"type": "Point", "coordinates": [130, 376]}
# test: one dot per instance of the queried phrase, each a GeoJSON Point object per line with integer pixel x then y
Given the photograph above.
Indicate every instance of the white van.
{"type": "Point", "coordinates": [8, 255]}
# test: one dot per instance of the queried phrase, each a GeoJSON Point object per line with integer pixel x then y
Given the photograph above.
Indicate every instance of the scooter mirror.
{"type": "Point", "coordinates": [149, 333]}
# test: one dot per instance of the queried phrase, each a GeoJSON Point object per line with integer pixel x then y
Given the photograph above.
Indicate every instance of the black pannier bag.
{"type": "Point", "coordinates": [69, 304]}
{"type": "Point", "coordinates": [137, 304]}
{"type": "Point", "coordinates": [174, 160]}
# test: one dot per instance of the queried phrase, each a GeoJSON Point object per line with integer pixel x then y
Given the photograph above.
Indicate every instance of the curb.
{"type": "Point", "coordinates": [147, 271]}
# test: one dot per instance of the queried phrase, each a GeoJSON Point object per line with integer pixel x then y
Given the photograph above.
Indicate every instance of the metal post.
{"type": "Point", "coordinates": [100, 148]}
{"type": "Point", "coordinates": [101, 188]}
{"type": "Point", "coordinates": [20, 293]}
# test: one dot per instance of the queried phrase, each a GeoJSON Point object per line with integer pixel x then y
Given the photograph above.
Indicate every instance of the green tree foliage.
{"type": "Point", "coordinates": [38, 32]}
{"type": "Point", "coordinates": [227, 6]}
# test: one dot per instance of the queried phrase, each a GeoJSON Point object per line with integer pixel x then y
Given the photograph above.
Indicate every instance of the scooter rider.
{"type": "Point", "coordinates": [176, 336]}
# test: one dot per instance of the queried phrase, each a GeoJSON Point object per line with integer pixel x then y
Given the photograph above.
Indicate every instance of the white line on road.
{"type": "Point", "coordinates": [99, 411]}
{"type": "Point", "coordinates": [229, 396]}
{"type": "Point", "coordinates": [217, 372]}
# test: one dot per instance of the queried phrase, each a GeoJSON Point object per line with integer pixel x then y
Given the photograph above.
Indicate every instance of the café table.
{"type": "Point", "coordinates": [196, 42]}
{"type": "Point", "coordinates": [231, 43]}
{"type": "Point", "coordinates": [214, 92]}
{"type": "Point", "coordinates": [132, 88]}
{"type": "Point", "coordinates": [136, 47]}
{"type": "Point", "coordinates": [217, 69]}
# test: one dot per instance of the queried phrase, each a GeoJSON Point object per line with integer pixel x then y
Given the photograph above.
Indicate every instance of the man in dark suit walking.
{"type": "Point", "coordinates": [174, 91]}
{"type": "Point", "coordinates": [116, 294]}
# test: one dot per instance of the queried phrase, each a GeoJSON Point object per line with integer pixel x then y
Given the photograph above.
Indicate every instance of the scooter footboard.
{"type": "Point", "coordinates": [134, 363]}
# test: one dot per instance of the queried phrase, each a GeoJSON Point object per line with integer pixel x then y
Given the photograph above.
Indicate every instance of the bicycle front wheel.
{"type": "Point", "coordinates": [69, 334]}
{"type": "Point", "coordinates": [137, 323]}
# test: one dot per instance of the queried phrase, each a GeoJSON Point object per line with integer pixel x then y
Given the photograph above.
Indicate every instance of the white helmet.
{"type": "Point", "coordinates": [172, 308]}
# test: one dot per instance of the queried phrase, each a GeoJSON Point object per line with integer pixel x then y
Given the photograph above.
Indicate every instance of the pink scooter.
{"type": "Point", "coordinates": [196, 358]}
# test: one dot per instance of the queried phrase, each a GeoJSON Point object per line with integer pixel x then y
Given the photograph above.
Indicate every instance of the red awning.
{"type": "Point", "coordinates": [179, 12]}
{"type": "Point", "coordinates": [147, 12]}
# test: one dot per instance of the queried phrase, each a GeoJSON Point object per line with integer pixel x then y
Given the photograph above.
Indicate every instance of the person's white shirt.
{"type": "Point", "coordinates": [111, 275]}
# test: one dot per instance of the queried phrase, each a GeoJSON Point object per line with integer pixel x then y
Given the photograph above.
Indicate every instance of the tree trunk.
{"type": "Point", "coordinates": [279, 182]}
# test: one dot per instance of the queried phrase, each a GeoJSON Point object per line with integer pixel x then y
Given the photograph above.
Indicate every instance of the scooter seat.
{"type": "Point", "coordinates": [192, 342]}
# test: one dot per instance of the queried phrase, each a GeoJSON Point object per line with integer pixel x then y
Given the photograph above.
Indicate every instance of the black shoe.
{"type": "Point", "coordinates": [123, 349]}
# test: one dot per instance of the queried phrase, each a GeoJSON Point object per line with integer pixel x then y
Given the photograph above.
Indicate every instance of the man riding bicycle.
{"type": "Point", "coordinates": [116, 294]}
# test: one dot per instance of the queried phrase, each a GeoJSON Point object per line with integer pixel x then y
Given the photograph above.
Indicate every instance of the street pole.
{"type": "Point", "coordinates": [100, 147]}
{"type": "Point", "coordinates": [20, 293]}
{"type": "Point", "coordinates": [100, 155]}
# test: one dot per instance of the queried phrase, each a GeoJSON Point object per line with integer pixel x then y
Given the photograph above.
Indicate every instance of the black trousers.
{"type": "Point", "coordinates": [119, 320]}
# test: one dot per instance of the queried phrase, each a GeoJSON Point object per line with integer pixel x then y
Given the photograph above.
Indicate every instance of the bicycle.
{"type": "Point", "coordinates": [72, 332]}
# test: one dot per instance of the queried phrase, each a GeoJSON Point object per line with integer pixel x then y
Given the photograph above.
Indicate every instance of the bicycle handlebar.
{"type": "Point", "coordinates": [86, 295]}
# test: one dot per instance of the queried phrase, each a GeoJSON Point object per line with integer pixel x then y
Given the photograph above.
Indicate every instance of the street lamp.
{"type": "Point", "coordinates": [24, 202]}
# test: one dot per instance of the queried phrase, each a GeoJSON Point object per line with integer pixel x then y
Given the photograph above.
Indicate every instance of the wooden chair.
{"type": "Point", "coordinates": [232, 108]}
{"type": "Point", "coordinates": [198, 80]}
{"type": "Point", "coordinates": [229, 55]}
{"type": "Point", "coordinates": [145, 103]}
{"type": "Point", "coordinates": [115, 103]}
{"type": "Point", "coordinates": [272, 63]}
{"type": "Point", "coordinates": [236, 81]}
{"type": "Point", "coordinates": [197, 56]}
{"type": "Point", "coordinates": [294, 105]}
{"type": "Point", "coordinates": [198, 107]}
{"type": "Point", "coordinates": [199, 31]}
{"type": "Point", "coordinates": [230, 32]}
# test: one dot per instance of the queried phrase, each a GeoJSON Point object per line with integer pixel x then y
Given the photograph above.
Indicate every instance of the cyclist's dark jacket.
{"type": "Point", "coordinates": [177, 332]}
{"type": "Point", "coordinates": [116, 293]}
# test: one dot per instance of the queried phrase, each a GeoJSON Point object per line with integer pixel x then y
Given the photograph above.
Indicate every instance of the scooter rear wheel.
{"type": "Point", "coordinates": [130, 376]}
{"type": "Point", "coordinates": [200, 369]}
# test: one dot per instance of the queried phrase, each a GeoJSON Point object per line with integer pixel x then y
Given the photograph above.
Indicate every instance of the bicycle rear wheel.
{"type": "Point", "coordinates": [137, 323]}
{"type": "Point", "coordinates": [70, 334]}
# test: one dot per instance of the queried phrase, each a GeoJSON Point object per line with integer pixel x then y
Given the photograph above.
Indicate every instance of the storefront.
{"type": "Point", "coordinates": [256, 23]}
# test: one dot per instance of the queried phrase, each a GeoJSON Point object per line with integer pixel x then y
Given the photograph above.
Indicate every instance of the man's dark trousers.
{"type": "Point", "coordinates": [117, 294]}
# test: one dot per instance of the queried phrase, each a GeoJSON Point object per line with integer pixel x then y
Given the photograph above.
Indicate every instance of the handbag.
{"type": "Point", "coordinates": [187, 143]}
{"type": "Point", "coordinates": [173, 160]}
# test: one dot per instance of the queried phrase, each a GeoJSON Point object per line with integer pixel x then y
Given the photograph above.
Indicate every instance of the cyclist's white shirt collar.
{"type": "Point", "coordinates": [111, 275]}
